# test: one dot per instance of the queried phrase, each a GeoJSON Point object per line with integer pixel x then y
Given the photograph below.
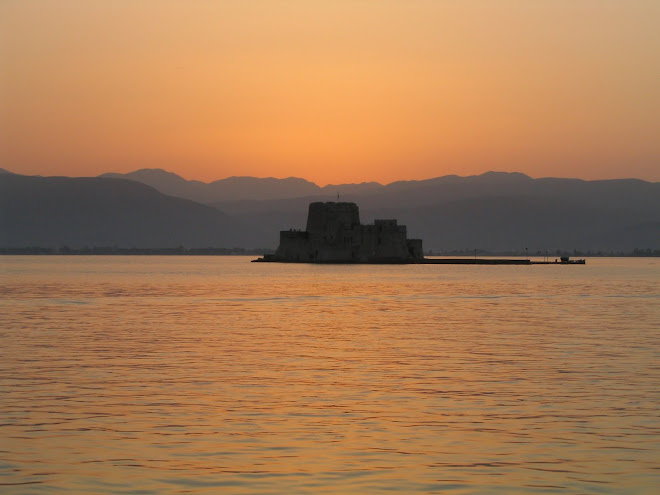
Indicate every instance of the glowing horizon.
{"type": "Point", "coordinates": [332, 92]}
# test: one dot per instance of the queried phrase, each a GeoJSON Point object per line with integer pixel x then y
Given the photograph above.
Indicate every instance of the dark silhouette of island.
{"type": "Point", "coordinates": [334, 235]}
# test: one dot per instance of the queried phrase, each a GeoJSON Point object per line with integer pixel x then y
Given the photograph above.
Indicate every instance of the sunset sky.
{"type": "Point", "coordinates": [330, 90]}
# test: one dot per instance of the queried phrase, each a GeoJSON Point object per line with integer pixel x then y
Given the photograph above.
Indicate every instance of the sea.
{"type": "Point", "coordinates": [181, 374]}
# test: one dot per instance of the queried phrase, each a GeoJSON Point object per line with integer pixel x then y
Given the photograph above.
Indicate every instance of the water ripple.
{"type": "Point", "coordinates": [201, 375]}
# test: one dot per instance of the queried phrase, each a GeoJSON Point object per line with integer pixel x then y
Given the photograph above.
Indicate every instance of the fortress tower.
{"type": "Point", "coordinates": [332, 217]}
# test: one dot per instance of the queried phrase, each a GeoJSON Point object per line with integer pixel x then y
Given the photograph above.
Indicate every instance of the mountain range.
{"type": "Point", "coordinates": [234, 188]}
{"type": "Point", "coordinates": [495, 211]}
{"type": "Point", "coordinates": [86, 211]}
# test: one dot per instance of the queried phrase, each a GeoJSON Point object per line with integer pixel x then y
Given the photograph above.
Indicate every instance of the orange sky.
{"type": "Point", "coordinates": [331, 90]}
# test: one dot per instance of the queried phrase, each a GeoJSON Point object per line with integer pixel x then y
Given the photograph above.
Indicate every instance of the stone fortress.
{"type": "Point", "coordinates": [334, 235]}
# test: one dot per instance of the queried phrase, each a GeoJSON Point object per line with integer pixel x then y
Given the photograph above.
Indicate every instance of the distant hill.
{"type": "Point", "coordinates": [229, 189]}
{"type": "Point", "coordinates": [514, 223]}
{"type": "Point", "coordinates": [55, 211]}
{"type": "Point", "coordinates": [494, 211]}
{"type": "Point", "coordinates": [4, 171]}
{"type": "Point", "coordinates": [166, 182]}
{"type": "Point", "coordinates": [237, 188]}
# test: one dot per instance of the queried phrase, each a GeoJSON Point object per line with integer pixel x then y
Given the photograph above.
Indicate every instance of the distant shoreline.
{"type": "Point", "coordinates": [117, 251]}
{"type": "Point", "coordinates": [212, 251]}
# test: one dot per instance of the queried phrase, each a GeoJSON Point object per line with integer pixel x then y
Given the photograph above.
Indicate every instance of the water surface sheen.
{"type": "Point", "coordinates": [149, 375]}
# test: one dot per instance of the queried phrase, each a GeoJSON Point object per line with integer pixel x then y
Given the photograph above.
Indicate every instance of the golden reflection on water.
{"type": "Point", "coordinates": [199, 375]}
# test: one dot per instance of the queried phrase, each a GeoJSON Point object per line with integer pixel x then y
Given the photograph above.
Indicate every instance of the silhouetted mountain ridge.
{"type": "Point", "coordinates": [237, 188]}
{"type": "Point", "coordinates": [229, 189]}
{"type": "Point", "coordinates": [55, 211]}
{"type": "Point", "coordinates": [494, 211]}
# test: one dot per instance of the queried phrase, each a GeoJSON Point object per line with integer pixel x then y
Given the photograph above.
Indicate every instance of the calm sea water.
{"type": "Point", "coordinates": [149, 375]}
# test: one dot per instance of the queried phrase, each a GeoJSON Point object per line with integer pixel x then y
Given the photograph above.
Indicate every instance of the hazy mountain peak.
{"type": "Point", "coordinates": [228, 189]}
{"type": "Point", "coordinates": [500, 178]}
{"type": "Point", "coordinates": [5, 171]}
{"type": "Point", "coordinates": [78, 211]}
{"type": "Point", "coordinates": [256, 188]}
{"type": "Point", "coordinates": [272, 180]}
{"type": "Point", "coordinates": [146, 173]}
{"type": "Point", "coordinates": [504, 175]}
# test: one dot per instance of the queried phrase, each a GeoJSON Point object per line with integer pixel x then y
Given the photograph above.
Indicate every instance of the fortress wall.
{"type": "Point", "coordinates": [326, 253]}
{"type": "Point", "coordinates": [381, 241]}
{"type": "Point", "coordinates": [415, 248]}
{"type": "Point", "coordinates": [389, 240]}
{"type": "Point", "coordinates": [294, 246]}
{"type": "Point", "coordinates": [392, 244]}
{"type": "Point", "coordinates": [366, 243]}
{"type": "Point", "coordinates": [334, 246]}
{"type": "Point", "coordinates": [389, 225]}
